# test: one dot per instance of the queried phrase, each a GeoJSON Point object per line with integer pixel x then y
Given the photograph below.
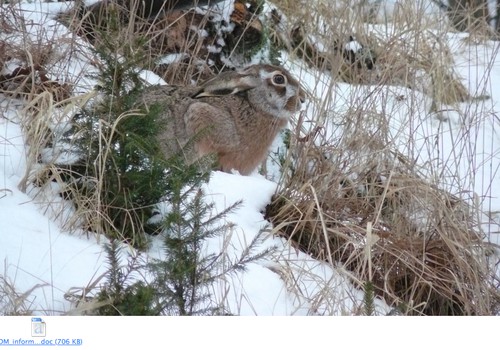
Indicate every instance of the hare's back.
{"type": "Point", "coordinates": [171, 103]}
{"type": "Point", "coordinates": [162, 94]}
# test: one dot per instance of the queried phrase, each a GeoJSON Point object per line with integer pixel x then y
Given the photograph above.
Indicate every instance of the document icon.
{"type": "Point", "coordinates": [38, 327]}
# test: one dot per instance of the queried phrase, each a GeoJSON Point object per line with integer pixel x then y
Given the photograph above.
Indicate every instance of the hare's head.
{"type": "Point", "coordinates": [270, 89]}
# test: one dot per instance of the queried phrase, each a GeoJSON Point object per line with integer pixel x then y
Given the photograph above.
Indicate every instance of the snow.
{"type": "Point", "coordinates": [35, 252]}
{"type": "Point", "coordinates": [39, 257]}
{"type": "Point", "coordinates": [353, 46]}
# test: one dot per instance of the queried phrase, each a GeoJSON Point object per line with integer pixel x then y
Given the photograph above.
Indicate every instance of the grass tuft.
{"type": "Point", "coordinates": [366, 188]}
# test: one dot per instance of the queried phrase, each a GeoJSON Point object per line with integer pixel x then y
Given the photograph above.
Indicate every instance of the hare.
{"type": "Point", "coordinates": [235, 115]}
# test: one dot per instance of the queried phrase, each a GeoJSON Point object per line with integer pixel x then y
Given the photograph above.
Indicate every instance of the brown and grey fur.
{"type": "Point", "coordinates": [235, 116]}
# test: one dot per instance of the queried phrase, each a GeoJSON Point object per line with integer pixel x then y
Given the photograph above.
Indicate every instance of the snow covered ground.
{"type": "Point", "coordinates": [43, 261]}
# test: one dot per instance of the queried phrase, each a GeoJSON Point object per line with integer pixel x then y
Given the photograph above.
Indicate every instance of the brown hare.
{"type": "Point", "coordinates": [235, 115]}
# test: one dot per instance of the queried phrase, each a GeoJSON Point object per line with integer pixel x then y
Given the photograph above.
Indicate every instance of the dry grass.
{"type": "Point", "coordinates": [33, 55]}
{"type": "Point", "coordinates": [38, 77]}
{"type": "Point", "coordinates": [351, 200]}
{"type": "Point", "coordinates": [411, 50]}
{"type": "Point", "coordinates": [197, 45]}
{"type": "Point", "coordinates": [13, 302]}
{"type": "Point", "coordinates": [420, 246]}
{"type": "Point", "coordinates": [353, 197]}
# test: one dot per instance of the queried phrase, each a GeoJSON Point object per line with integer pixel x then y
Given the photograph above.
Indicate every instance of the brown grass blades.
{"type": "Point", "coordinates": [356, 202]}
{"type": "Point", "coordinates": [182, 46]}
{"type": "Point", "coordinates": [411, 50]}
{"type": "Point", "coordinates": [40, 119]}
{"type": "Point", "coordinates": [158, 36]}
{"type": "Point", "coordinates": [13, 302]}
{"type": "Point", "coordinates": [30, 57]}
{"type": "Point", "coordinates": [40, 73]}
{"type": "Point", "coordinates": [353, 202]}
{"type": "Point", "coordinates": [378, 218]}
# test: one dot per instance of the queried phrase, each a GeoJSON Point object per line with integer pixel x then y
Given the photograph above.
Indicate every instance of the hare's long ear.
{"type": "Point", "coordinates": [228, 83]}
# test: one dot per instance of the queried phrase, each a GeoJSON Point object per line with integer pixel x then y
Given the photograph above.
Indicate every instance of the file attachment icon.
{"type": "Point", "coordinates": [38, 327]}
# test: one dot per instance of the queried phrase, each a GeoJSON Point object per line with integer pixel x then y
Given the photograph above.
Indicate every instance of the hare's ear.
{"type": "Point", "coordinates": [228, 83]}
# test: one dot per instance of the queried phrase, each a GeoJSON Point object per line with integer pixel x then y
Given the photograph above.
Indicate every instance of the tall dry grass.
{"type": "Point", "coordinates": [52, 83]}
{"type": "Point", "coordinates": [49, 75]}
{"type": "Point", "coordinates": [380, 177]}
{"type": "Point", "coordinates": [401, 217]}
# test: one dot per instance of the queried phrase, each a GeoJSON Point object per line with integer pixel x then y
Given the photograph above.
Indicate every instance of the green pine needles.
{"type": "Point", "coordinates": [369, 299]}
{"type": "Point", "coordinates": [121, 156]}
{"type": "Point", "coordinates": [122, 294]}
{"type": "Point", "coordinates": [184, 277]}
{"type": "Point", "coordinates": [121, 175]}
{"type": "Point", "coordinates": [184, 280]}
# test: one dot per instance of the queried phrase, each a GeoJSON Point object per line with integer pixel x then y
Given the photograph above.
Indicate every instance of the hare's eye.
{"type": "Point", "coordinates": [279, 79]}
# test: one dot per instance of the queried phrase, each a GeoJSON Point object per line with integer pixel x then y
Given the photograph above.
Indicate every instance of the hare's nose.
{"type": "Point", "coordinates": [302, 96]}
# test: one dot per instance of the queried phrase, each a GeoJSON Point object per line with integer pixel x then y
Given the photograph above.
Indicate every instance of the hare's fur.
{"type": "Point", "coordinates": [235, 116]}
